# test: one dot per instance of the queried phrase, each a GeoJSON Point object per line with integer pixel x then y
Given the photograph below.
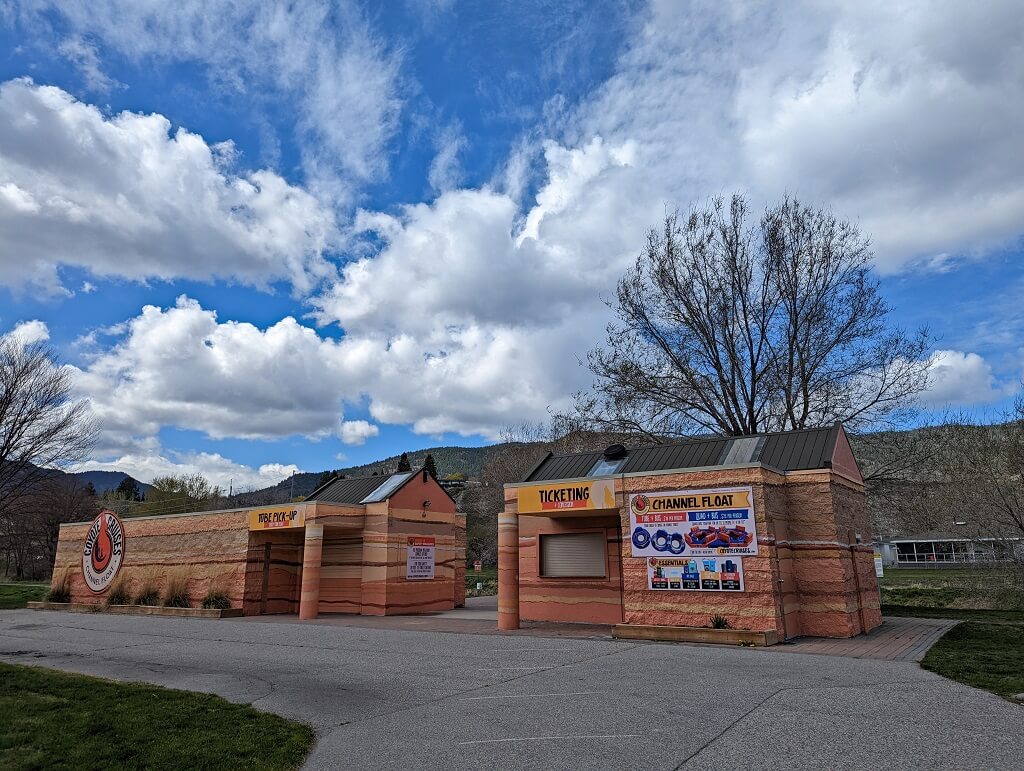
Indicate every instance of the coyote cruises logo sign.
{"type": "Point", "coordinates": [103, 551]}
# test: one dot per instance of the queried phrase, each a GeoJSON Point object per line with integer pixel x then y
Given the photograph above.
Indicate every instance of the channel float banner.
{"type": "Point", "coordinates": [273, 517]}
{"type": "Point", "coordinates": [419, 558]}
{"type": "Point", "coordinates": [696, 574]}
{"type": "Point", "coordinates": [571, 496]}
{"type": "Point", "coordinates": [694, 523]}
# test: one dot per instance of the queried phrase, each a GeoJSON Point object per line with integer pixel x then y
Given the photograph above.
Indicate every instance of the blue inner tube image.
{"type": "Point", "coordinates": [660, 540]}
{"type": "Point", "coordinates": [676, 544]}
{"type": "Point", "coordinates": [641, 538]}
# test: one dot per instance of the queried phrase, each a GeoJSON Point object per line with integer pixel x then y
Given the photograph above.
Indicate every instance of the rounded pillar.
{"type": "Point", "coordinates": [508, 570]}
{"type": "Point", "coordinates": [312, 551]}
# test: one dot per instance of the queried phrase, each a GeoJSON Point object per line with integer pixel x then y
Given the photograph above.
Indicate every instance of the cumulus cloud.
{"type": "Point", "coordinates": [884, 113]}
{"type": "Point", "coordinates": [28, 332]}
{"type": "Point", "coordinates": [182, 367]}
{"type": "Point", "coordinates": [958, 378]}
{"type": "Point", "coordinates": [320, 59]}
{"type": "Point", "coordinates": [356, 432]}
{"type": "Point", "coordinates": [124, 196]}
{"type": "Point", "coordinates": [221, 471]}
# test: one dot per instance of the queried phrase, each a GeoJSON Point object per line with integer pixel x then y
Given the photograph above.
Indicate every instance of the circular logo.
{"type": "Point", "coordinates": [103, 551]}
{"type": "Point", "coordinates": [639, 503]}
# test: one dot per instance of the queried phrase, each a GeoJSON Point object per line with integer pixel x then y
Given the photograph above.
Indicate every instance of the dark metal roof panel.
{"type": "Point", "coordinates": [786, 451]}
{"type": "Point", "coordinates": [347, 491]}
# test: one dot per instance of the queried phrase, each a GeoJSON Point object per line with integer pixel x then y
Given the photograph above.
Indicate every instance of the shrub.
{"type": "Point", "coordinates": [60, 588]}
{"type": "Point", "coordinates": [119, 594]}
{"type": "Point", "coordinates": [176, 589]}
{"type": "Point", "coordinates": [149, 592]}
{"type": "Point", "coordinates": [216, 599]}
{"type": "Point", "coordinates": [718, 621]}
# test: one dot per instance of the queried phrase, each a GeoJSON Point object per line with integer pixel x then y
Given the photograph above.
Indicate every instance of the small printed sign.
{"type": "Point", "coordinates": [274, 517]}
{"type": "Point", "coordinates": [419, 559]}
{"type": "Point", "coordinates": [695, 574]}
{"type": "Point", "coordinates": [478, 566]}
{"type": "Point", "coordinates": [879, 569]}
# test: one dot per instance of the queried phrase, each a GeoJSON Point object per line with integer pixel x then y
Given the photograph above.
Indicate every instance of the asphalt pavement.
{"type": "Point", "coordinates": [388, 698]}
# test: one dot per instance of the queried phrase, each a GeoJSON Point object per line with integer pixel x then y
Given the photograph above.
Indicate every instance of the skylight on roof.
{"type": "Point", "coordinates": [391, 484]}
{"type": "Point", "coordinates": [605, 466]}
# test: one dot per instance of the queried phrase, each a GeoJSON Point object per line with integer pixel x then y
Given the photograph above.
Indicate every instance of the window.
{"type": "Point", "coordinates": [604, 466]}
{"type": "Point", "coordinates": [574, 555]}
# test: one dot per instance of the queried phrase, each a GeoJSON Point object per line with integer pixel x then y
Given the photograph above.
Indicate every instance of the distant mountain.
{"type": "Point", "coordinates": [468, 461]}
{"type": "Point", "coordinates": [106, 480]}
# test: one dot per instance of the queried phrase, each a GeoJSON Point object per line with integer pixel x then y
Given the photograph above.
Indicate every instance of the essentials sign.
{"type": "Point", "coordinates": [273, 517]}
{"type": "Point", "coordinates": [572, 496]}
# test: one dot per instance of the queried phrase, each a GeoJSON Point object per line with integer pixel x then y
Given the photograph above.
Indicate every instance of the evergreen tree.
{"type": "Point", "coordinates": [128, 490]}
{"type": "Point", "coordinates": [326, 477]}
{"type": "Point", "coordinates": [90, 489]}
{"type": "Point", "coordinates": [403, 463]}
{"type": "Point", "coordinates": [429, 467]}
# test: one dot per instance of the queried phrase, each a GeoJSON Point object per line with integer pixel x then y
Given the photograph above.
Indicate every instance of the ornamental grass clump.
{"type": "Point", "coordinates": [149, 592]}
{"type": "Point", "coordinates": [60, 588]}
{"type": "Point", "coordinates": [176, 589]}
{"type": "Point", "coordinates": [119, 593]}
{"type": "Point", "coordinates": [718, 621]}
{"type": "Point", "coordinates": [216, 599]}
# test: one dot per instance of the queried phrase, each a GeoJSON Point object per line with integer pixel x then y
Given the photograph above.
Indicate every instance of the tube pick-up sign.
{"type": "Point", "coordinates": [697, 523]}
{"type": "Point", "coordinates": [274, 517]}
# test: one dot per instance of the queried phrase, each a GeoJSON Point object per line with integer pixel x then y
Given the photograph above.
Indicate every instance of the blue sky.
{"type": "Point", "coordinates": [271, 237]}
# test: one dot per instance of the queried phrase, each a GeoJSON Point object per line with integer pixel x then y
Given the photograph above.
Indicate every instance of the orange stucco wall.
{"type": "Point", "coordinates": [802, 581]}
{"type": "Point", "coordinates": [361, 568]}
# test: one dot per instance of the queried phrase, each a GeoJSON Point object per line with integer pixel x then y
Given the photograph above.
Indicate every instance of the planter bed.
{"type": "Point", "coordinates": [694, 634]}
{"type": "Point", "coordinates": [137, 610]}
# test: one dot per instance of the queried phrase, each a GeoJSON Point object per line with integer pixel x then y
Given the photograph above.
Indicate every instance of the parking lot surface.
{"type": "Point", "coordinates": [388, 698]}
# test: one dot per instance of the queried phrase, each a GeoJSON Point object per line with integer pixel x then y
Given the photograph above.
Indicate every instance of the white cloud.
{"type": "Point", "coordinates": [123, 196]}
{"type": "Point", "coordinates": [83, 55]}
{"type": "Point", "coordinates": [958, 378]}
{"type": "Point", "coordinates": [356, 432]}
{"type": "Point", "coordinates": [319, 59]}
{"type": "Point", "coordinates": [28, 332]}
{"type": "Point", "coordinates": [445, 170]}
{"type": "Point", "coordinates": [182, 367]}
{"type": "Point", "coordinates": [221, 471]}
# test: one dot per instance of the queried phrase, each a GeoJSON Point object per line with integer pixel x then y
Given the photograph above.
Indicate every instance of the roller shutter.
{"type": "Point", "coordinates": [573, 554]}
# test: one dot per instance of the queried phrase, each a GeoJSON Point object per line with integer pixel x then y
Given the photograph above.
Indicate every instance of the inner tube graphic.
{"type": "Point", "coordinates": [641, 538]}
{"type": "Point", "coordinates": [676, 544]}
{"type": "Point", "coordinates": [660, 540]}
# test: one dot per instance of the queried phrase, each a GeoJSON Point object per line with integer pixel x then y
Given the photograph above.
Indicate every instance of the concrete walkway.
{"type": "Point", "coordinates": [394, 698]}
{"type": "Point", "coordinates": [897, 639]}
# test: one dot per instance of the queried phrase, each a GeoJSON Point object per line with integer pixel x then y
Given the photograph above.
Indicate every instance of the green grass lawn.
{"type": "Point", "coordinates": [59, 720]}
{"type": "Point", "coordinates": [989, 656]}
{"type": "Point", "coordinates": [952, 588]}
{"type": "Point", "coordinates": [17, 595]}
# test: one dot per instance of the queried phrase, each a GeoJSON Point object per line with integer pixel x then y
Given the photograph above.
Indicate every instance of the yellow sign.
{"type": "Point", "coordinates": [274, 517]}
{"type": "Point", "coordinates": [557, 497]}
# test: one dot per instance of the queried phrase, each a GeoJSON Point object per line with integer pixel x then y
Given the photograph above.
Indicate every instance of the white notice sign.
{"type": "Point", "coordinates": [419, 560]}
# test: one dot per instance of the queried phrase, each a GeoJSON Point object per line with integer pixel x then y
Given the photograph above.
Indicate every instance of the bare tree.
{"type": "Point", "coordinates": [41, 427]}
{"type": "Point", "coordinates": [731, 327]}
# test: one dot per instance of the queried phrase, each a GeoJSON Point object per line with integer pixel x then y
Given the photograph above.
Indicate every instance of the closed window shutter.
{"type": "Point", "coordinates": [573, 554]}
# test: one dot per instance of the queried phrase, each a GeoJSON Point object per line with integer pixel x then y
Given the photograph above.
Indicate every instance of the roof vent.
{"type": "Point", "coordinates": [614, 452]}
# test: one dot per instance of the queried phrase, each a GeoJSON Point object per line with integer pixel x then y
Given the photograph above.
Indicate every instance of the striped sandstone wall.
{"type": "Point", "coordinates": [212, 547]}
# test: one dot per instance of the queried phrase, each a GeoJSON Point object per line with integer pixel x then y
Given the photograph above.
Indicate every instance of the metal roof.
{"type": "Point", "coordinates": [353, 490]}
{"type": "Point", "coordinates": [786, 451]}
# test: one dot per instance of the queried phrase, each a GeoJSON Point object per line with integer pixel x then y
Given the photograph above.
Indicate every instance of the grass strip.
{"type": "Point", "coordinates": [984, 655]}
{"type": "Point", "coordinates": [61, 720]}
{"type": "Point", "coordinates": [19, 595]}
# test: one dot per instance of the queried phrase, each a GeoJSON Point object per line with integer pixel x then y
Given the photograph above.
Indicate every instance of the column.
{"type": "Point", "coordinates": [508, 570]}
{"type": "Point", "coordinates": [312, 550]}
